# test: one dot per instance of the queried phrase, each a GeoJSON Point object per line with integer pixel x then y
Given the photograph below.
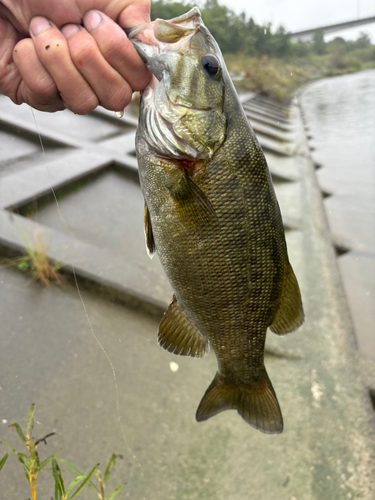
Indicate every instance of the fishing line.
{"type": "Point", "coordinates": [68, 231]}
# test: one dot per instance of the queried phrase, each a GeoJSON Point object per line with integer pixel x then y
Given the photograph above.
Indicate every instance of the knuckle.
{"type": "Point", "coordinates": [43, 85]}
{"type": "Point", "coordinates": [51, 106]}
{"type": "Point", "coordinates": [83, 104]}
{"type": "Point", "coordinates": [118, 100]}
{"type": "Point", "coordinates": [84, 50]}
{"type": "Point", "coordinates": [110, 46]}
{"type": "Point", "coordinates": [143, 80]}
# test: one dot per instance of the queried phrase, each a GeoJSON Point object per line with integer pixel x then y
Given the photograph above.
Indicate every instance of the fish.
{"type": "Point", "coordinates": [212, 217]}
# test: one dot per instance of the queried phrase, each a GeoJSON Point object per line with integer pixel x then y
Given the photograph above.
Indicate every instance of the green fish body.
{"type": "Point", "coordinates": [212, 216]}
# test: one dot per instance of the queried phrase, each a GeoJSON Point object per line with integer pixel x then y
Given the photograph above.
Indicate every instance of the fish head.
{"type": "Point", "coordinates": [182, 110]}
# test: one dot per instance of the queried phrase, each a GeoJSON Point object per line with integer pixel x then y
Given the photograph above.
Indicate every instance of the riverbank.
{"type": "Point", "coordinates": [279, 78]}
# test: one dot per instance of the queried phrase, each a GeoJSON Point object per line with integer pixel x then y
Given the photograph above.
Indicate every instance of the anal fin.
{"type": "Point", "coordinates": [179, 336]}
{"type": "Point", "coordinates": [256, 402]}
{"type": "Point", "coordinates": [289, 315]}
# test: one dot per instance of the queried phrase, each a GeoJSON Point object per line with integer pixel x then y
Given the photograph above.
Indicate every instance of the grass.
{"type": "Point", "coordinates": [36, 263]}
{"type": "Point", "coordinates": [33, 466]}
{"type": "Point", "coordinates": [280, 78]}
{"type": "Point", "coordinates": [269, 76]}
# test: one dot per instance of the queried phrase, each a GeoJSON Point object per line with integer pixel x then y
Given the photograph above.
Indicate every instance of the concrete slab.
{"type": "Point", "coordinates": [119, 146]}
{"type": "Point", "coordinates": [358, 275]}
{"type": "Point", "coordinates": [275, 114]}
{"type": "Point", "coordinates": [141, 283]}
{"type": "Point", "coordinates": [289, 198]}
{"type": "Point", "coordinates": [104, 212]}
{"type": "Point", "coordinates": [352, 222]}
{"type": "Point", "coordinates": [345, 183]}
{"type": "Point", "coordinates": [275, 146]}
{"type": "Point", "coordinates": [12, 147]}
{"type": "Point", "coordinates": [78, 127]}
{"type": "Point", "coordinates": [23, 163]}
{"type": "Point", "coordinates": [267, 102]}
{"type": "Point", "coordinates": [258, 109]}
{"type": "Point", "coordinates": [47, 133]}
{"type": "Point", "coordinates": [16, 189]}
{"type": "Point", "coordinates": [271, 132]}
{"type": "Point", "coordinates": [267, 121]}
{"type": "Point", "coordinates": [287, 167]}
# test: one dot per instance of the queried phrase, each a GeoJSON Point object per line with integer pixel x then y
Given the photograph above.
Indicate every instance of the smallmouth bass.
{"type": "Point", "coordinates": [212, 216]}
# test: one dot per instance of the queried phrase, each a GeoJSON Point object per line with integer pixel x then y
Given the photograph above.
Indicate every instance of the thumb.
{"type": "Point", "coordinates": [136, 13]}
{"type": "Point", "coordinates": [10, 77]}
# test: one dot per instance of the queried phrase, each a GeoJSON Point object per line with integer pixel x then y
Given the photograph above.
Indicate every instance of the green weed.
{"type": "Point", "coordinates": [33, 466]}
{"type": "Point", "coordinates": [36, 263]}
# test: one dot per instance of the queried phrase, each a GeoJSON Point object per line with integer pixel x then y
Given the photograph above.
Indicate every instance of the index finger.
{"type": "Point", "coordinates": [117, 50]}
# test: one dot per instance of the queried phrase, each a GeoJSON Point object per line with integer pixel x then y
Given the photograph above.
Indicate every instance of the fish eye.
{"type": "Point", "coordinates": [211, 65]}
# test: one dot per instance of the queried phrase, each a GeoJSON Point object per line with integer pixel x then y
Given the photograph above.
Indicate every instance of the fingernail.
{"type": "Point", "coordinates": [70, 29]}
{"type": "Point", "coordinates": [39, 24]}
{"type": "Point", "coordinates": [92, 20]}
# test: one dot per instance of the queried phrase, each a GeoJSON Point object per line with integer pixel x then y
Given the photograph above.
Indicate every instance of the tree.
{"type": "Point", "coordinates": [168, 10]}
{"type": "Point", "coordinates": [363, 41]}
{"type": "Point", "coordinates": [319, 45]}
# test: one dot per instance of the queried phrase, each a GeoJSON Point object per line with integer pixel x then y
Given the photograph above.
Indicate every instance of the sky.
{"type": "Point", "coordinates": [296, 15]}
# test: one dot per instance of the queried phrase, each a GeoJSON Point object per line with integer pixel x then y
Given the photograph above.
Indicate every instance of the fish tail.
{"type": "Point", "coordinates": [255, 402]}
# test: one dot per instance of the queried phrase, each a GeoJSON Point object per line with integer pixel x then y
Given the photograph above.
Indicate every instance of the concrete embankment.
{"type": "Point", "coordinates": [339, 115]}
{"type": "Point", "coordinates": [49, 355]}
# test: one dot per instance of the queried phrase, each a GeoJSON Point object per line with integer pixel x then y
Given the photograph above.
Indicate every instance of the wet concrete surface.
{"type": "Point", "coordinates": [166, 453]}
{"type": "Point", "coordinates": [104, 212]}
{"type": "Point", "coordinates": [49, 353]}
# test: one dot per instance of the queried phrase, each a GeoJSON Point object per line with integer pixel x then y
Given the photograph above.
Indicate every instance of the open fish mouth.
{"type": "Point", "coordinates": [162, 37]}
{"type": "Point", "coordinates": [149, 39]}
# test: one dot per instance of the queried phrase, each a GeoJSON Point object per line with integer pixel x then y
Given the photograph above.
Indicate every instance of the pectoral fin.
{"type": "Point", "coordinates": [149, 236]}
{"type": "Point", "coordinates": [289, 315]}
{"type": "Point", "coordinates": [177, 335]}
{"type": "Point", "coordinates": [194, 202]}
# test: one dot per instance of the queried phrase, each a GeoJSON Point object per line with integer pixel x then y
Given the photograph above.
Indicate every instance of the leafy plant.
{"type": "Point", "coordinates": [30, 462]}
{"type": "Point", "coordinates": [101, 481]}
{"type": "Point", "coordinates": [60, 492]}
{"type": "Point", "coordinates": [32, 467]}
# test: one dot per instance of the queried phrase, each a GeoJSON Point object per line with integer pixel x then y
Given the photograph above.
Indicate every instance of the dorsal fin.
{"type": "Point", "coordinates": [177, 335]}
{"type": "Point", "coordinates": [289, 315]}
{"type": "Point", "coordinates": [149, 236]}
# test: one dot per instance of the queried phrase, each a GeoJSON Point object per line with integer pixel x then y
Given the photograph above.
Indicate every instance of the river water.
{"type": "Point", "coordinates": [340, 119]}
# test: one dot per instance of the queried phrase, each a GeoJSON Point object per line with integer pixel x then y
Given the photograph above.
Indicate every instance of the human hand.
{"type": "Point", "coordinates": [65, 64]}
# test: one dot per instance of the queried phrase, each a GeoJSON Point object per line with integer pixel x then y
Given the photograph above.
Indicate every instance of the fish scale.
{"type": "Point", "coordinates": [211, 214]}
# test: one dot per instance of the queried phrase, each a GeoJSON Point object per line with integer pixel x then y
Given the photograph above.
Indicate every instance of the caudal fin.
{"type": "Point", "coordinates": [256, 403]}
